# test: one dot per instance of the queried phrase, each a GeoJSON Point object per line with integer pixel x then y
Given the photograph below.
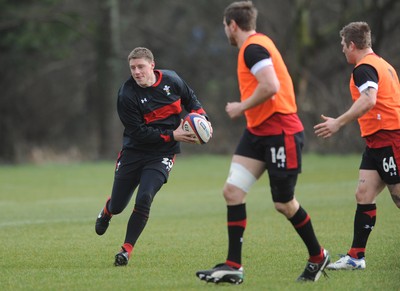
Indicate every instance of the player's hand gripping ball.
{"type": "Point", "coordinates": [199, 126]}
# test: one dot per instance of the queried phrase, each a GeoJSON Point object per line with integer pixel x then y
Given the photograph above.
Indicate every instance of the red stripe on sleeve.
{"type": "Point", "coordinates": [166, 138]}
{"type": "Point", "coordinates": [199, 111]}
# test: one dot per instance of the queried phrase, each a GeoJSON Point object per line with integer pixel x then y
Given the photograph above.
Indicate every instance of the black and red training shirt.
{"type": "Point", "coordinates": [151, 114]}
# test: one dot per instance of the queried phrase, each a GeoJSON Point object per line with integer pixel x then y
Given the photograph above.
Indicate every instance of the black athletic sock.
{"type": "Point", "coordinates": [236, 221]}
{"type": "Point", "coordinates": [364, 222]}
{"type": "Point", "coordinates": [136, 224]}
{"type": "Point", "coordinates": [301, 221]}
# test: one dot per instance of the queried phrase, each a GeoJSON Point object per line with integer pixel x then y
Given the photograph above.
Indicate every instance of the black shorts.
{"type": "Point", "coordinates": [282, 156]}
{"type": "Point", "coordinates": [281, 153]}
{"type": "Point", "coordinates": [130, 163]}
{"type": "Point", "coordinates": [383, 160]}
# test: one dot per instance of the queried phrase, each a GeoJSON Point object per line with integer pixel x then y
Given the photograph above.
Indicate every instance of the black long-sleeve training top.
{"type": "Point", "coordinates": [151, 114]}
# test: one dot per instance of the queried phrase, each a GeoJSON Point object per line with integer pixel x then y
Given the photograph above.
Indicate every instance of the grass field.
{"type": "Point", "coordinates": [47, 239]}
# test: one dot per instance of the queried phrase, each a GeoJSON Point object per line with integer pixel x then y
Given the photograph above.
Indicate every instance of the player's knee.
{"type": "Point", "coordinates": [360, 192]}
{"type": "Point", "coordinates": [281, 207]}
{"type": "Point", "coordinates": [240, 178]}
{"type": "Point", "coordinates": [144, 201]}
{"type": "Point", "coordinates": [362, 196]}
{"type": "Point", "coordinates": [289, 208]}
{"type": "Point", "coordinates": [396, 200]}
{"type": "Point", "coordinates": [238, 184]}
{"type": "Point", "coordinates": [394, 190]}
{"type": "Point", "coordinates": [358, 196]}
{"type": "Point", "coordinates": [232, 194]}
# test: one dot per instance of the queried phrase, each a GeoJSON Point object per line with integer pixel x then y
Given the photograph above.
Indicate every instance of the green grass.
{"type": "Point", "coordinates": [48, 242]}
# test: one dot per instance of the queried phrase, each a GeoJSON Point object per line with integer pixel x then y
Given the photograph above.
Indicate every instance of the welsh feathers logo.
{"type": "Point", "coordinates": [167, 90]}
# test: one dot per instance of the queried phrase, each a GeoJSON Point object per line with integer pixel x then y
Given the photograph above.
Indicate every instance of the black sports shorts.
{"type": "Point", "coordinates": [281, 153]}
{"type": "Point", "coordinates": [130, 163]}
{"type": "Point", "coordinates": [383, 160]}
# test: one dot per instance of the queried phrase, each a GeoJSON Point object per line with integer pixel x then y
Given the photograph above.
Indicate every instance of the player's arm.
{"type": "Point", "coordinates": [366, 79]}
{"type": "Point", "coordinates": [188, 98]}
{"type": "Point", "coordinates": [259, 61]}
{"type": "Point", "coordinates": [362, 105]}
{"type": "Point", "coordinates": [135, 126]}
{"type": "Point", "coordinates": [190, 102]}
{"type": "Point", "coordinates": [268, 85]}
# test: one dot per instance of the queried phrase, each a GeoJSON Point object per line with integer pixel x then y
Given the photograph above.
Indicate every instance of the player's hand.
{"type": "Point", "coordinates": [211, 129]}
{"type": "Point", "coordinates": [234, 109]}
{"type": "Point", "coordinates": [328, 128]}
{"type": "Point", "coordinates": [183, 136]}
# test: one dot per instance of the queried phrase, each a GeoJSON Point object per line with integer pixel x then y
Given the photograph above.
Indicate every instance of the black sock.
{"type": "Point", "coordinates": [364, 222]}
{"type": "Point", "coordinates": [236, 222]}
{"type": "Point", "coordinates": [136, 224]}
{"type": "Point", "coordinates": [301, 221]}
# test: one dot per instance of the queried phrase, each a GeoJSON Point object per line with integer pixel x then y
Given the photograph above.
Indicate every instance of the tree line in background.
{"type": "Point", "coordinates": [62, 63]}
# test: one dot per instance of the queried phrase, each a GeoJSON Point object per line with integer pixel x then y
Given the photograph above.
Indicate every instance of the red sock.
{"type": "Point", "coordinates": [106, 209]}
{"type": "Point", "coordinates": [318, 258]}
{"type": "Point", "coordinates": [129, 248]}
{"type": "Point", "coordinates": [356, 253]}
{"type": "Point", "coordinates": [233, 264]}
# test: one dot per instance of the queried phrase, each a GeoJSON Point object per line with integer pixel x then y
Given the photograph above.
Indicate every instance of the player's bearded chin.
{"type": "Point", "coordinates": [232, 41]}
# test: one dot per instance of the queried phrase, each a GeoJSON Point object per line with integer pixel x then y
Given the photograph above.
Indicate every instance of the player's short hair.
{"type": "Point", "coordinates": [140, 53]}
{"type": "Point", "coordinates": [357, 32]}
{"type": "Point", "coordinates": [244, 13]}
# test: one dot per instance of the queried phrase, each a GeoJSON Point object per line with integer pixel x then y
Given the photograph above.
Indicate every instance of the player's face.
{"type": "Point", "coordinates": [142, 71]}
{"type": "Point", "coordinates": [347, 51]}
{"type": "Point", "coordinates": [228, 32]}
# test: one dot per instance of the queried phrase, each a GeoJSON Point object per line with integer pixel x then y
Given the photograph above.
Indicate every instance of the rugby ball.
{"type": "Point", "coordinates": [199, 126]}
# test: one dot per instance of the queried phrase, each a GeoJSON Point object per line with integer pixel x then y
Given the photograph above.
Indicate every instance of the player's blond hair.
{"type": "Point", "coordinates": [141, 52]}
